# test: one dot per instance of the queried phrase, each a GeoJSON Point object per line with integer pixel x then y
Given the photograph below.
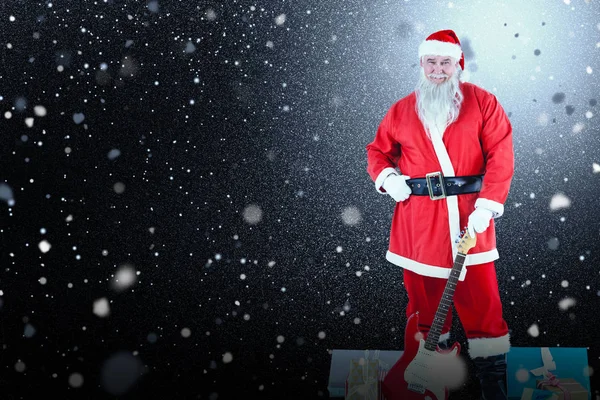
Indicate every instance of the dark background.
{"type": "Point", "coordinates": [247, 211]}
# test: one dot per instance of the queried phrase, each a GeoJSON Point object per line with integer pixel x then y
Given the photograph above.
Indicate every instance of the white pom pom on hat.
{"type": "Point", "coordinates": [443, 43]}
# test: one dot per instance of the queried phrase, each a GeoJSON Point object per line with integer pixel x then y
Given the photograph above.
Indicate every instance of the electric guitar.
{"type": "Point", "coordinates": [424, 371]}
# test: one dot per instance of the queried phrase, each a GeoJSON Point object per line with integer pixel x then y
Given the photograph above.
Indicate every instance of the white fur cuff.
{"type": "Point", "coordinates": [486, 347]}
{"type": "Point", "coordinates": [381, 177]}
{"type": "Point", "coordinates": [444, 336]}
{"type": "Point", "coordinates": [493, 206]}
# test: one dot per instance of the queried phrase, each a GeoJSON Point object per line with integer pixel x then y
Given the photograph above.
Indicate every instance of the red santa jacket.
{"type": "Point", "coordinates": [424, 231]}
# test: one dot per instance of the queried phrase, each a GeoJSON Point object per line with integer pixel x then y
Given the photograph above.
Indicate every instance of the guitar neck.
{"type": "Point", "coordinates": [445, 303]}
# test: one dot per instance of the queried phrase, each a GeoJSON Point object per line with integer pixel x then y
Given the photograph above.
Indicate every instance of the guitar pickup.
{"type": "Point", "coordinates": [415, 387]}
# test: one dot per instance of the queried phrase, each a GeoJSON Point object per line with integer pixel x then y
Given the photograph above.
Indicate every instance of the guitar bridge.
{"type": "Point", "coordinates": [415, 387]}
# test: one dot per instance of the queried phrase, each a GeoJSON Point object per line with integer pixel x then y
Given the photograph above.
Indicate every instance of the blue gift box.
{"type": "Point", "coordinates": [340, 366]}
{"type": "Point", "coordinates": [568, 362]}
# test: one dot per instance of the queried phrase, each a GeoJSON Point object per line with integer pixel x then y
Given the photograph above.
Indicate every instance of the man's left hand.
{"type": "Point", "coordinates": [479, 220]}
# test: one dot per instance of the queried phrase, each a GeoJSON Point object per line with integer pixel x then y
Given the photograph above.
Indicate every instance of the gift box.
{"type": "Point", "coordinates": [340, 366]}
{"type": "Point", "coordinates": [382, 374]}
{"type": "Point", "coordinates": [362, 382]}
{"type": "Point", "coordinates": [380, 396]}
{"type": "Point", "coordinates": [538, 394]}
{"type": "Point", "coordinates": [564, 388]}
{"type": "Point", "coordinates": [527, 365]}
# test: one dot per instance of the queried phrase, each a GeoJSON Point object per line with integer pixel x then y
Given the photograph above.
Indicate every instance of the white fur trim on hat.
{"type": "Point", "coordinates": [439, 48]}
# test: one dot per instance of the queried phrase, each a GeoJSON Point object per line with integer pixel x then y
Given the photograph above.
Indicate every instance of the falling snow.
{"type": "Point", "coordinates": [184, 205]}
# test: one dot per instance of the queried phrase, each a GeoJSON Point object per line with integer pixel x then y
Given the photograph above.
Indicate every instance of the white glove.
{"type": "Point", "coordinates": [395, 186]}
{"type": "Point", "coordinates": [479, 220]}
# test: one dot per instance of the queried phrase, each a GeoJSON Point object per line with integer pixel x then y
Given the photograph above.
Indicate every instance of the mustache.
{"type": "Point", "coordinates": [438, 76]}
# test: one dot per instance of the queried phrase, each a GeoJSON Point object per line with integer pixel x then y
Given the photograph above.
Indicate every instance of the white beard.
{"type": "Point", "coordinates": [438, 105]}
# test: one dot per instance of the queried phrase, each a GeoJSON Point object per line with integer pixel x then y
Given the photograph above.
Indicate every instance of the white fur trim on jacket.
{"type": "Point", "coordinates": [486, 347]}
{"type": "Point", "coordinates": [439, 48]}
{"type": "Point", "coordinates": [451, 202]}
{"type": "Point", "coordinates": [493, 206]}
{"type": "Point", "coordinates": [381, 177]}
{"type": "Point", "coordinates": [441, 272]}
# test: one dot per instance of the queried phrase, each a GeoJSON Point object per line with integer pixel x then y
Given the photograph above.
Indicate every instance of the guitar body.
{"type": "Point", "coordinates": [419, 373]}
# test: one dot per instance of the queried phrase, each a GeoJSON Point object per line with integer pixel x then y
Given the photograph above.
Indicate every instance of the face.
{"type": "Point", "coordinates": [438, 69]}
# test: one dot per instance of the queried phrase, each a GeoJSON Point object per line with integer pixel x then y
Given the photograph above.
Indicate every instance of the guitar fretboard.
{"type": "Point", "coordinates": [445, 303]}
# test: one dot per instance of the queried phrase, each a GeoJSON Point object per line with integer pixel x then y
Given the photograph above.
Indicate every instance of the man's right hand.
{"type": "Point", "coordinates": [395, 186]}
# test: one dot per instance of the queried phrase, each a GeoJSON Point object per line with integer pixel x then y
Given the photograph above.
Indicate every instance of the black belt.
{"type": "Point", "coordinates": [437, 186]}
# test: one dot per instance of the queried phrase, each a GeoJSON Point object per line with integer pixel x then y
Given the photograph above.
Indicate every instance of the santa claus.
{"type": "Point", "coordinates": [444, 154]}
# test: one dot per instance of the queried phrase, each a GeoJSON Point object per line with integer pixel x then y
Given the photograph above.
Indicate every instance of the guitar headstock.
{"type": "Point", "coordinates": [466, 242]}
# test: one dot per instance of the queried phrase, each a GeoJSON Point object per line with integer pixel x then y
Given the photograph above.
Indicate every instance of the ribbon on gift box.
{"type": "Point", "coordinates": [551, 380]}
{"type": "Point", "coordinates": [382, 364]}
{"type": "Point", "coordinates": [368, 387]}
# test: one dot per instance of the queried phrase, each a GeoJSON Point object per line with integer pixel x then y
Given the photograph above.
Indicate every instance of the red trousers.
{"type": "Point", "coordinates": [477, 303]}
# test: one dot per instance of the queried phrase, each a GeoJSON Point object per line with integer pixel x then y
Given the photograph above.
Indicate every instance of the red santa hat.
{"type": "Point", "coordinates": [443, 43]}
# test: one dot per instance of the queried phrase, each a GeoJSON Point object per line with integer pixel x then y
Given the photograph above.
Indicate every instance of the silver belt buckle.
{"type": "Point", "coordinates": [440, 184]}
